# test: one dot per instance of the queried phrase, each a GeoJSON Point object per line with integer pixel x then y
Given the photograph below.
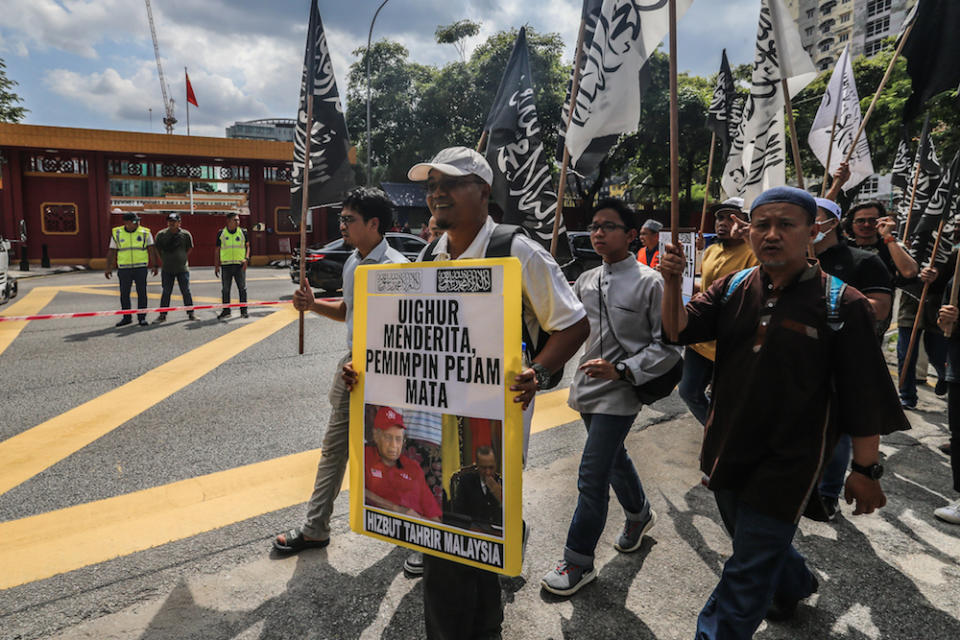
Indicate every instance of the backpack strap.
{"type": "Point", "coordinates": [833, 293]}
{"type": "Point", "coordinates": [735, 282]}
{"type": "Point", "coordinates": [501, 239]}
{"type": "Point", "coordinates": [428, 254]}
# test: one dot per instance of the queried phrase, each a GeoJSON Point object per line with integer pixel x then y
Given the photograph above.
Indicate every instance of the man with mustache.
{"type": "Point", "coordinates": [797, 364]}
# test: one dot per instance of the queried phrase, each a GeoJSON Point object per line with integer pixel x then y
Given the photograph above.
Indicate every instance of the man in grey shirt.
{"type": "Point", "coordinates": [622, 298]}
{"type": "Point", "coordinates": [173, 245]}
{"type": "Point", "coordinates": [367, 214]}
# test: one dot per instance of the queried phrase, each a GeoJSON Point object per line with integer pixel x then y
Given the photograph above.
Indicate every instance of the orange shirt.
{"type": "Point", "coordinates": [654, 261]}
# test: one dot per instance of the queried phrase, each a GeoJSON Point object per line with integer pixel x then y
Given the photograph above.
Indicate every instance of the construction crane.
{"type": "Point", "coordinates": [168, 120]}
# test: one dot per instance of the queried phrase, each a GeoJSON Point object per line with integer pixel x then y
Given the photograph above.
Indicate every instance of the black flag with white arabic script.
{"type": "Point", "coordinates": [942, 207]}
{"type": "Point", "coordinates": [900, 176]}
{"type": "Point", "coordinates": [722, 112]}
{"type": "Point", "coordinates": [522, 185]}
{"type": "Point", "coordinates": [330, 174]}
{"type": "Point", "coordinates": [928, 177]}
{"type": "Point", "coordinates": [932, 50]}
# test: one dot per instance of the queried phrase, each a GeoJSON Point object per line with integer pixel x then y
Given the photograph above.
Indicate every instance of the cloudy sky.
{"type": "Point", "coordinates": [90, 63]}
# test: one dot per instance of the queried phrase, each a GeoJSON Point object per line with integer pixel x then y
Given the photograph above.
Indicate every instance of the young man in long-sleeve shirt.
{"type": "Point", "coordinates": [622, 298]}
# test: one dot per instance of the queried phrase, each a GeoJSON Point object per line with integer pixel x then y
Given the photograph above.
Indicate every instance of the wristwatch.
{"type": "Point", "coordinates": [874, 471]}
{"type": "Point", "coordinates": [543, 375]}
{"type": "Point", "coordinates": [624, 372]}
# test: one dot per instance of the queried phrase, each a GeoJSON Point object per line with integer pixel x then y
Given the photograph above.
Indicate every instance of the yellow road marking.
{"type": "Point", "coordinates": [28, 453]}
{"type": "Point", "coordinates": [98, 531]}
{"type": "Point", "coordinates": [86, 534]}
{"type": "Point", "coordinates": [551, 410]}
{"type": "Point", "coordinates": [32, 303]}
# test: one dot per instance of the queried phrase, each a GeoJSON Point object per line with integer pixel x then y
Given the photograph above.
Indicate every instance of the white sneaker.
{"type": "Point", "coordinates": [949, 513]}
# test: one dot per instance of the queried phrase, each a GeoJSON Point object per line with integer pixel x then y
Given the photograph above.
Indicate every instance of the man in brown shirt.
{"type": "Point", "coordinates": [797, 362]}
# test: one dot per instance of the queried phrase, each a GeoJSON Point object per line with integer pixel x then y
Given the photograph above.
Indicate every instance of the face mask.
{"type": "Point", "coordinates": [822, 234]}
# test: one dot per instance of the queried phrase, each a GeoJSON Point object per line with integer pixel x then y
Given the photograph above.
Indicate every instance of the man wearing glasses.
{"type": "Point", "coordinates": [367, 214]}
{"type": "Point", "coordinates": [622, 299]}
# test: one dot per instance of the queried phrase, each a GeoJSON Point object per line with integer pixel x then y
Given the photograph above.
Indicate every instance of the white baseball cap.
{"type": "Point", "coordinates": [454, 161]}
{"type": "Point", "coordinates": [829, 206]}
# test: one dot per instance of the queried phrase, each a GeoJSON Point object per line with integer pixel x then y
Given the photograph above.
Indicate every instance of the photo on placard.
{"type": "Point", "coordinates": [472, 454]}
{"type": "Point", "coordinates": [402, 461]}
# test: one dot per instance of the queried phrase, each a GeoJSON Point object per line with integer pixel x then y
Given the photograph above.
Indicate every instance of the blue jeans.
{"type": "Point", "coordinates": [764, 563]}
{"type": "Point", "coordinates": [697, 373]}
{"type": "Point", "coordinates": [127, 277]}
{"type": "Point", "coordinates": [936, 347]}
{"type": "Point", "coordinates": [836, 470]}
{"type": "Point", "coordinates": [605, 463]}
{"type": "Point", "coordinates": [183, 280]}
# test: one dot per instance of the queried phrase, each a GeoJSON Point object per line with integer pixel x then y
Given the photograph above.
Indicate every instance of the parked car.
{"type": "Point", "coordinates": [584, 257]}
{"type": "Point", "coordinates": [8, 285]}
{"type": "Point", "coordinates": [325, 263]}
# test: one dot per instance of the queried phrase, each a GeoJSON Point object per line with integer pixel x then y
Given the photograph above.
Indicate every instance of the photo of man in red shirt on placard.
{"type": "Point", "coordinates": [393, 481]}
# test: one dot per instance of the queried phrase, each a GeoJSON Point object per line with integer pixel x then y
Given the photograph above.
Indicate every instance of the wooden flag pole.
{"type": "Point", "coordinates": [674, 132]}
{"type": "Point", "coordinates": [574, 91]}
{"type": "Point", "coordinates": [305, 203]}
{"type": "Point", "coordinates": [706, 189]}
{"type": "Point", "coordinates": [826, 167]}
{"type": "Point", "coordinates": [913, 198]}
{"type": "Point", "coordinates": [483, 141]}
{"type": "Point", "coordinates": [876, 96]}
{"type": "Point", "coordinates": [923, 297]}
{"type": "Point", "coordinates": [954, 294]}
{"type": "Point", "coordinates": [788, 104]}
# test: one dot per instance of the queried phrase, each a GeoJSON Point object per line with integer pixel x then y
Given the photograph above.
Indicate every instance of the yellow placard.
{"type": "Point", "coordinates": [436, 440]}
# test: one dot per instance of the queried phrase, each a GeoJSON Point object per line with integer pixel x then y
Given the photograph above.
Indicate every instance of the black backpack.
{"type": "Point", "coordinates": [499, 247]}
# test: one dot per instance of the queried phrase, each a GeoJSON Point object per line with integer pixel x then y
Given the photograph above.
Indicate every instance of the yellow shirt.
{"type": "Point", "coordinates": [719, 261]}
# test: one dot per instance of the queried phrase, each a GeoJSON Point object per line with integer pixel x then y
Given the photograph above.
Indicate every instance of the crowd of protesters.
{"type": "Point", "coordinates": [782, 364]}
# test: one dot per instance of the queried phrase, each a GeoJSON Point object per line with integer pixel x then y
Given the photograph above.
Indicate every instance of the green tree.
{"type": "Point", "coordinates": [10, 111]}
{"type": "Point", "coordinates": [456, 33]}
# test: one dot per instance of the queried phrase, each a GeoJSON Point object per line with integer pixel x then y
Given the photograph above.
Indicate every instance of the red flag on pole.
{"type": "Point", "coordinates": [191, 97]}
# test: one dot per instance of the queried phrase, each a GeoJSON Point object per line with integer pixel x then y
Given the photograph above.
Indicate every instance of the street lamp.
{"type": "Point", "coordinates": [369, 39]}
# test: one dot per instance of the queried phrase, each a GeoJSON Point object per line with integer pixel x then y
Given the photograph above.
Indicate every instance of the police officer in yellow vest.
{"type": "Point", "coordinates": [131, 253]}
{"type": "Point", "coordinates": [230, 261]}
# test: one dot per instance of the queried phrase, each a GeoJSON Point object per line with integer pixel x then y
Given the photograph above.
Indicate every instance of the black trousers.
{"type": "Point", "coordinates": [230, 273]}
{"type": "Point", "coordinates": [128, 277]}
{"type": "Point", "coordinates": [953, 418]}
{"type": "Point", "coordinates": [460, 602]}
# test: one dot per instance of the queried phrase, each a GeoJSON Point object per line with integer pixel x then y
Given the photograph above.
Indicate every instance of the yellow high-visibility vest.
{"type": "Point", "coordinates": [131, 247]}
{"type": "Point", "coordinates": [233, 249]}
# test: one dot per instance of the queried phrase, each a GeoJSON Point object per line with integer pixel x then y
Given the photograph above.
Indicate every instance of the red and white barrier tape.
{"type": "Point", "coordinates": [129, 312]}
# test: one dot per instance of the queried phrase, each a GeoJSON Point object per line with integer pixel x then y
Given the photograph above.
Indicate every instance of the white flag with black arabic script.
{"type": "Point", "coordinates": [757, 159]}
{"type": "Point", "coordinates": [608, 101]}
{"type": "Point", "coordinates": [841, 101]}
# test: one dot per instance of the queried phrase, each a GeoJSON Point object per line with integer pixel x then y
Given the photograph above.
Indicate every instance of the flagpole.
{"type": "Point", "coordinates": [706, 189]}
{"type": "Point", "coordinates": [188, 108]}
{"type": "Point", "coordinates": [876, 96]}
{"type": "Point", "coordinates": [674, 132]}
{"type": "Point", "coordinates": [826, 167]}
{"type": "Point", "coordinates": [907, 362]}
{"type": "Point", "coordinates": [483, 141]}
{"type": "Point", "coordinates": [574, 91]}
{"type": "Point", "coordinates": [793, 133]}
{"type": "Point", "coordinates": [913, 198]}
{"type": "Point", "coordinates": [305, 203]}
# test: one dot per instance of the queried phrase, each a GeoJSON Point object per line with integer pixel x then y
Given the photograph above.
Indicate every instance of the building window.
{"type": "Point", "coordinates": [824, 65]}
{"type": "Point", "coordinates": [59, 219]}
{"type": "Point", "coordinates": [870, 186]}
{"type": "Point", "coordinates": [845, 17]}
{"type": "Point", "coordinates": [825, 46]}
{"type": "Point", "coordinates": [875, 7]}
{"type": "Point", "coordinates": [810, 13]}
{"type": "Point", "coordinates": [809, 31]}
{"type": "Point", "coordinates": [872, 47]}
{"type": "Point", "coordinates": [844, 36]}
{"type": "Point", "coordinates": [878, 27]}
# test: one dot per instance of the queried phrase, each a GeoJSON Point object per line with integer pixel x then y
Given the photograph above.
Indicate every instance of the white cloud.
{"type": "Point", "coordinates": [73, 26]}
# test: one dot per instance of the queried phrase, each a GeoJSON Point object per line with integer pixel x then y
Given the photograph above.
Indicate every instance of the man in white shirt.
{"type": "Point", "coordinates": [460, 601]}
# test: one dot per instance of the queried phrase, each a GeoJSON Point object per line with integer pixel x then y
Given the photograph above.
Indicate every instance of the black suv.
{"type": "Point", "coordinates": [325, 263]}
